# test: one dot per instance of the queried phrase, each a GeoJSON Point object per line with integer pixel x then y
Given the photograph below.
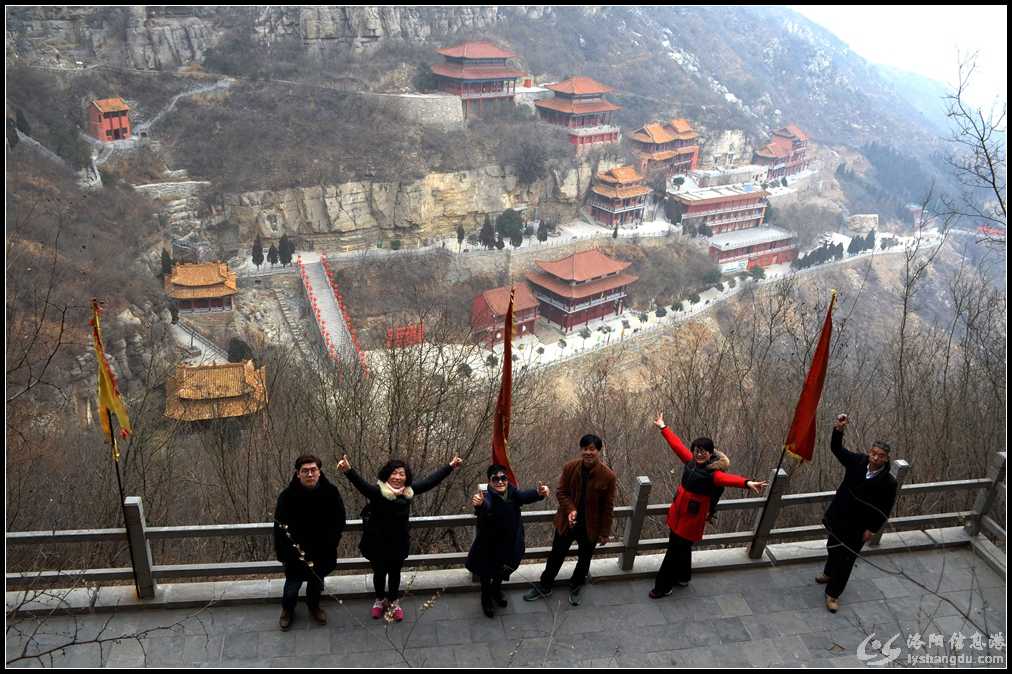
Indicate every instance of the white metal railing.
{"type": "Point", "coordinates": [591, 130]}
{"type": "Point", "coordinates": [746, 256]}
{"type": "Point", "coordinates": [620, 209]}
{"type": "Point", "coordinates": [728, 209]}
{"type": "Point", "coordinates": [573, 308]}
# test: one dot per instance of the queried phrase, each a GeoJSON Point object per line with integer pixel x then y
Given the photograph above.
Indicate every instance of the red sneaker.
{"type": "Point", "coordinates": [378, 608]}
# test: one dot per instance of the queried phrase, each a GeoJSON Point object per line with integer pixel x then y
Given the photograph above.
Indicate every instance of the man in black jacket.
{"type": "Point", "coordinates": [307, 528]}
{"type": "Point", "coordinates": [861, 506]}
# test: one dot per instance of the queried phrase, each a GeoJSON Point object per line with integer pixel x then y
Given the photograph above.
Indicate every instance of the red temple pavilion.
{"type": "Point", "coordinates": [785, 155]}
{"type": "Point", "coordinates": [671, 148]}
{"type": "Point", "coordinates": [109, 119]}
{"type": "Point", "coordinates": [478, 73]}
{"type": "Point", "coordinates": [488, 313]}
{"type": "Point", "coordinates": [579, 106]}
{"type": "Point", "coordinates": [619, 197]}
{"type": "Point", "coordinates": [580, 288]}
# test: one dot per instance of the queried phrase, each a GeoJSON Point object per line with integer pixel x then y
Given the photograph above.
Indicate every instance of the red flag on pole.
{"type": "Point", "coordinates": [800, 441]}
{"type": "Point", "coordinates": [501, 421]}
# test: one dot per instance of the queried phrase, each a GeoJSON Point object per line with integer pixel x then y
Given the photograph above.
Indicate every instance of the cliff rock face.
{"type": "Point", "coordinates": [160, 38]}
{"type": "Point", "coordinates": [358, 214]}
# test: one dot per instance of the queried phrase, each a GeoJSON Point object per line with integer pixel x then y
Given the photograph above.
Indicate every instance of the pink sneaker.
{"type": "Point", "coordinates": [378, 608]}
{"type": "Point", "coordinates": [397, 611]}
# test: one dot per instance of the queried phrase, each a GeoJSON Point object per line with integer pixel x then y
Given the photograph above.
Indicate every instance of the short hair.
{"type": "Point", "coordinates": [702, 443]}
{"type": "Point", "coordinates": [308, 458]}
{"type": "Point", "coordinates": [591, 439]}
{"type": "Point", "coordinates": [496, 468]}
{"type": "Point", "coordinates": [390, 466]}
{"type": "Point", "coordinates": [884, 446]}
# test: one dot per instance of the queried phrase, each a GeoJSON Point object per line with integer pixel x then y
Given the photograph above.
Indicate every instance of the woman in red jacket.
{"type": "Point", "coordinates": [691, 507]}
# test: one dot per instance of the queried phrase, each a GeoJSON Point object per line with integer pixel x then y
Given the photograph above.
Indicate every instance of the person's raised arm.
{"type": "Point", "coordinates": [370, 491]}
{"type": "Point", "coordinates": [842, 454]}
{"type": "Point", "coordinates": [677, 446]}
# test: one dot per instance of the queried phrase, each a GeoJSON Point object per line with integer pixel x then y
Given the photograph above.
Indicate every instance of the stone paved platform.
{"type": "Point", "coordinates": [750, 617]}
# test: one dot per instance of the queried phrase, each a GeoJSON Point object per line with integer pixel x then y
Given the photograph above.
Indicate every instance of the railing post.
{"type": "Point", "coordinates": [631, 540]}
{"type": "Point", "coordinates": [902, 468]}
{"type": "Point", "coordinates": [985, 499]}
{"type": "Point", "coordinates": [140, 549]}
{"type": "Point", "coordinates": [482, 487]}
{"type": "Point", "coordinates": [766, 517]}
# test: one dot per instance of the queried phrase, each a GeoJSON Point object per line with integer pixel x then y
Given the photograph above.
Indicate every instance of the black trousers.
{"type": "Point", "coordinates": [677, 564]}
{"type": "Point", "coordinates": [490, 589]}
{"type": "Point", "coordinates": [560, 546]}
{"type": "Point", "coordinates": [842, 548]}
{"type": "Point", "coordinates": [386, 579]}
{"type": "Point", "coordinates": [297, 573]}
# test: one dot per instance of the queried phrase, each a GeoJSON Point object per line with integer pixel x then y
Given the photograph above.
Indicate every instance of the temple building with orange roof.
{"type": "Point", "coordinates": [477, 72]}
{"type": "Point", "coordinates": [208, 286]}
{"type": "Point", "coordinates": [209, 392]}
{"type": "Point", "coordinates": [670, 148]}
{"type": "Point", "coordinates": [488, 313]}
{"type": "Point", "coordinates": [580, 288]}
{"type": "Point", "coordinates": [618, 197]}
{"type": "Point", "coordinates": [109, 119]}
{"type": "Point", "coordinates": [580, 107]}
{"type": "Point", "coordinates": [785, 155]}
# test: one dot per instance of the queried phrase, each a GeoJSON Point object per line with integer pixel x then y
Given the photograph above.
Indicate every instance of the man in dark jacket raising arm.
{"type": "Point", "coordinates": [307, 528]}
{"type": "Point", "coordinates": [860, 508]}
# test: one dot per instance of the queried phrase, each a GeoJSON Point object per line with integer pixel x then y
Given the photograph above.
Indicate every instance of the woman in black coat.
{"type": "Point", "coordinates": [499, 544]}
{"type": "Point", "coordinates": [385, 525]}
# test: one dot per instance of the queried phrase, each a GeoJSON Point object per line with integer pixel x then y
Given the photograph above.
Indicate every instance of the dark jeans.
{"type": "Point", "coordinates": [677, 564]}
{"type": "Point", "coordinates": [297, 573]}
{"type": "Point", "coordinates": [842, 549]}
{"type": "Point", "coordinates": [386, 579]}
{"type": "Point", "coordinates": [560, 546]}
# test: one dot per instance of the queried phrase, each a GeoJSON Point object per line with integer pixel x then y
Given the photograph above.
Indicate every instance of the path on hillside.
{"type": "Point", "coordinates": [203, 89]}
{"type": "Point", "coordinates": [331, 320]}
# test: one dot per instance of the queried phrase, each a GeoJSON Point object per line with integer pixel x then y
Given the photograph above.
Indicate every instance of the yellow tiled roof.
{"type": "Point", "coordinates": [205, 280]}
{"type": "Point", "coordinates": [215, 391]}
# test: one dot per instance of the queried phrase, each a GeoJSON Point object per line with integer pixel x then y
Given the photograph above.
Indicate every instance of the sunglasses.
{"type": "Point", "coordinates": [498, 478]}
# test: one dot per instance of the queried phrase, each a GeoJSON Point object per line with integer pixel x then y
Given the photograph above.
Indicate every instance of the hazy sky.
{"type": "Point", "coordinates": [926, 39]}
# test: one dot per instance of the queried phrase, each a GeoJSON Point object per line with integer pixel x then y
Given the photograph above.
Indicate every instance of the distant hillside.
{"type": "Point", "coordinates": [926, 95]}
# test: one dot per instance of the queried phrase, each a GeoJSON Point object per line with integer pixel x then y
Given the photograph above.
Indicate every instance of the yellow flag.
{"type": "Point", "coordinates": [108, 394]}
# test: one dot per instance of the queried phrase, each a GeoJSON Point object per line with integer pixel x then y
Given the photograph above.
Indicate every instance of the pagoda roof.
{"type": "Point", "coordinates": [577, 107]}
{"type": "Point", "coordinates": [498, 299]}
{"type": "Point", "coordinates": [582, 266]}
{"type": "Point", "coordinates": [664, 155]}
{"type": "Point", "coordinates": [218, 391]}
{"type": "Point", "coordinates": [621, 192]}
{"type": "Point", "coordinates": [717, 194]}
{"type": "Point", "coordinates": [476, 72]}
{"type": "Point", "coordinates": [793, 132]}
{"type": "Point", "coordinates": [576, 292]}
{"type": "Point", "coordinates": [777, 148]}
{"type": "Point", "coordinates": [620, 175]}
{"type": "Point", "coordinates": [198, 281]}
{"type": "Point", "coordinates": [579, 85]}
{"type": "Point", "coordinates": [656, 133]}
{"type": "Point", "coordinates": [476, 50]}
{"type": "Point", "coordinates": [111, 105]}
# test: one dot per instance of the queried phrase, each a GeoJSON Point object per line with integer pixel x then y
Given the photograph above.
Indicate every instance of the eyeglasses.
{"type": "Point", "coordinates": [309, 471]}
{"type": "Point", "coordinates": [700, 450]}
{"type": "Point", "coordinates": [498, 478]}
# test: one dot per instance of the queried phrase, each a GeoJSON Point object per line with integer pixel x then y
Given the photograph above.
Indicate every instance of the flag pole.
{"type": "Point", "coordinates": [122, 501]}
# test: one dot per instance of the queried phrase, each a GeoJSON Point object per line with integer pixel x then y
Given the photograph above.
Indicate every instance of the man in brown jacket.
{"type": "Point", "coordinates": [586, 497]}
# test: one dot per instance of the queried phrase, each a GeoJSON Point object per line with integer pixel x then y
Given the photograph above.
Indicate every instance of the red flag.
{"type": "Point", "coordinates": [800, 441]}
{"type": "Point", "coordinates": [501, 421]}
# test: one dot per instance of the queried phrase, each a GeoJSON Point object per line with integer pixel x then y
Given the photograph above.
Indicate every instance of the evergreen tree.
{"type": "Point", "coordinates": [460, 236]}
{"type": "Point", "coordinates": [166, 262]}
{"type": "Point", "coordinates": [272, 255]}
{"type": "Point", "coordinates": [258, 252]}
{"type": "Point", "coordinates": [510, 225]}
{"type": "Point", "coordinates": [614, 232]}
{"type": "Point", "coordinates": [238, 350]}
{"type": "Point", "coordinates": [285, 250]}
{"type": "Point", "coordinates": [543, 231]}
{"type": "Point", "coordinates": [487, 234]}
{"type": "Point", "coordinates": [517, 238]}
{"type": "Point", "coordinates": [499, 243]}
{"type": "Point", "coordinates": [22, 122]}
{"type": "Point", "coordinates": [12, 133]}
